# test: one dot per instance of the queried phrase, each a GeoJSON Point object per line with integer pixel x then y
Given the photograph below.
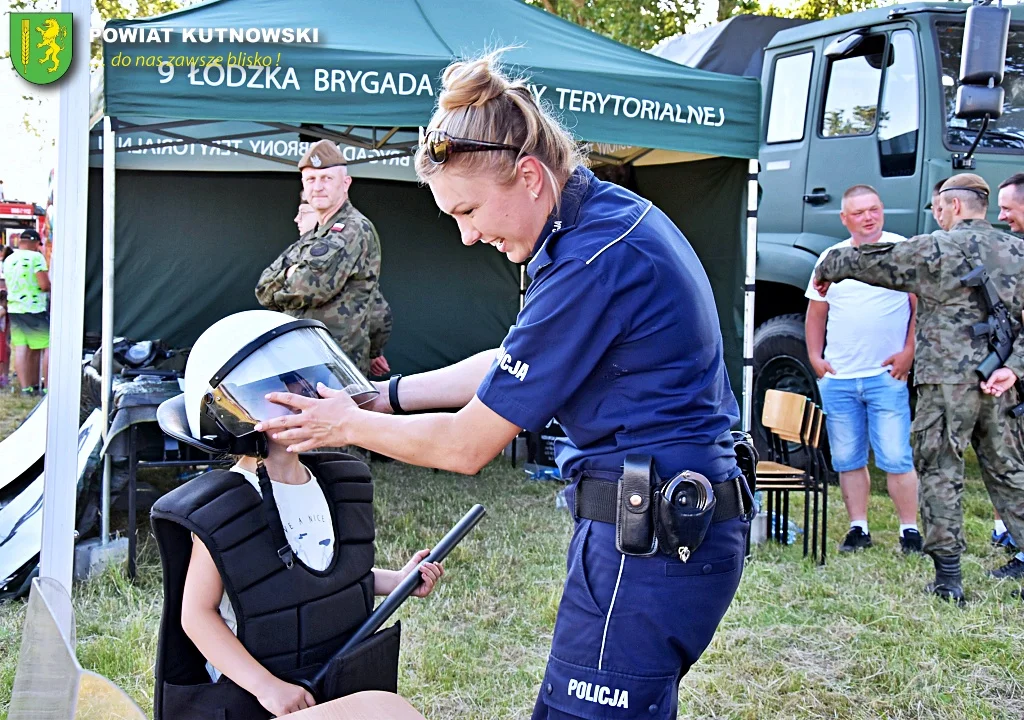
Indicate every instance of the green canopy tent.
{"type": "Point", "coordinates": [226, 75]}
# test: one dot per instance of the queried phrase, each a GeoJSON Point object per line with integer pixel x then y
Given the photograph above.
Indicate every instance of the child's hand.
{"type": "Point", "coordinates": [281, 698]}
{"type": "Point", "coordinates": [430, 572]}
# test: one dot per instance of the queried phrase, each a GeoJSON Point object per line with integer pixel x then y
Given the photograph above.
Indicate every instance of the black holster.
{"type": "Point", "coordinates": [652, 515]}
{"type": "Point", "coordinates": [746, 459]}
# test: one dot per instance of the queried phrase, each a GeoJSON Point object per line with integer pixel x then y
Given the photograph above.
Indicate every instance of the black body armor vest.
{"type": "Point", "coordinates": [291, 620]}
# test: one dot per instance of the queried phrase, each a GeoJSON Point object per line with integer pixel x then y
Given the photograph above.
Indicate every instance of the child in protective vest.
{"type": "Point", "coordinates": [268, 566]}
{"type": "Point", "coordinates": [206, 613]}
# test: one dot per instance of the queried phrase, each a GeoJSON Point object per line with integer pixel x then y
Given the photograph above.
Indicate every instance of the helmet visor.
{"type": "Point", "coordinates": [293, 362]}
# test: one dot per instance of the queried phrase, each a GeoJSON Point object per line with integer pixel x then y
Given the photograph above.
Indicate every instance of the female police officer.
{"type": "Point", "coordinates": [619, 339]}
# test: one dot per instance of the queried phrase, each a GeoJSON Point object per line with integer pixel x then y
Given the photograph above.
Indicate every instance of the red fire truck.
{"type": "Point", "coordinates": [16, 216]}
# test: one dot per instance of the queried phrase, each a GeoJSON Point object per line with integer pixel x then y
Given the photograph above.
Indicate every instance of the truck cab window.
{"type": "Point", "coordinates": [790, 85]}
{"type": "Point", "coordinates": [899, 120]}
{"type": "Point", "coordinates": [1006, 133]}
{"type": "Point", "coordinates": [851, 97]}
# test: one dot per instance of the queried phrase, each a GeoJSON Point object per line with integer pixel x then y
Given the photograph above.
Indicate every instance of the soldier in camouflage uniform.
{"type": "Point", "coordinates": [380, 311]}
{"type": "Point", "coordinates": [330, 274]}
{"type": "Point", "coordinates": [952, 408]}
{"type": "Point", "coordinates": [380, 331]}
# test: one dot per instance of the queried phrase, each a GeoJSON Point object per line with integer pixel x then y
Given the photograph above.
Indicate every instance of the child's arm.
{"type": "Point", "coordinates": [385, 581]}
{"type": "Point", "coordinates": [201, 621]}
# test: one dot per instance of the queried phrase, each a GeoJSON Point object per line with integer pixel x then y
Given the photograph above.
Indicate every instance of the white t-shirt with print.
{"type": "Point", "coordinates": [866, 324]}
{"type": "Point", "coordinates": [306, 519]}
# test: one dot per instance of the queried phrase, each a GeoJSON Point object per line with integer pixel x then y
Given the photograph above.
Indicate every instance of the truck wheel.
{"type": "Point", "coordinates": [780, 363]}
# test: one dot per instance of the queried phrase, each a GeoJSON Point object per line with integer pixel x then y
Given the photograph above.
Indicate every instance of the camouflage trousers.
{"type": "Point", "coordinates": [949, 417]}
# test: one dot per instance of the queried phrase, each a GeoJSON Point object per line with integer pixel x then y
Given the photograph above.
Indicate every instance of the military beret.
{"type": "Point", "coordinates": [967, 181]}
{"type": "Point", "coordinates": [323, 154]}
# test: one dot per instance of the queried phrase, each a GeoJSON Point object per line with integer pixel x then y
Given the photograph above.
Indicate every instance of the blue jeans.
{"type": "Point", "coordinates": [871, 409]}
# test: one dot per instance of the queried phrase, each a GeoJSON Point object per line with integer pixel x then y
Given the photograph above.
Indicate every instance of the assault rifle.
{"type": "Point", "coordinates": [996, 328]}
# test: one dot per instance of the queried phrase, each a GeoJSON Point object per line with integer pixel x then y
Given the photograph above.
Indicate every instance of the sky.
{"type": "Point", "coordinates": [25, 157]}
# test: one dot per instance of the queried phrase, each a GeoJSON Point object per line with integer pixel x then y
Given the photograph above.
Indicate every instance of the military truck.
{"type": "Point", "coordinates": [866, 98]}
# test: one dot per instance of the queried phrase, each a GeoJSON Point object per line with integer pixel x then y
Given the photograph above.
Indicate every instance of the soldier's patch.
{"type": "Point", "coordinates": [337, 227]}
{"type": "Point", "coordinates": [318, 250]}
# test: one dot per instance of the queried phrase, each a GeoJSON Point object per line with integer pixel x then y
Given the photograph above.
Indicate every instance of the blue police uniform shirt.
{"type": "Point", "coordinates": [619, 340]}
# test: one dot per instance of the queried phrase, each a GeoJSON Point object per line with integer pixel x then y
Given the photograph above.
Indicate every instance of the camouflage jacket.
{"type": "Point", "coordinates": [337, 266]}
{"type": "Point", "coordinates": [380, 324]}
{"type": "Point", "coordinates": [930, 266]}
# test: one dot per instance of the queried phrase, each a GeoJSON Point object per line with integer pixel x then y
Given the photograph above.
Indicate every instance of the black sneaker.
{"type": "Point", "coordinates": [910, 542]}
{"type": "Point", "coordinates": [1012, 569]}
{"type": "Point", "coordinates": [855, 540]}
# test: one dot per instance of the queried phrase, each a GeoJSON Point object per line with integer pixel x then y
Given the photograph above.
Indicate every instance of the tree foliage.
{"type": "Point", "coordinates": [639, 23]}
{"type": "Point", "coordinates": [820, 9]}
{"type": "Point", "coordinates": [108, 9]}
{"type": "Point", "coordinates": [118, 9]}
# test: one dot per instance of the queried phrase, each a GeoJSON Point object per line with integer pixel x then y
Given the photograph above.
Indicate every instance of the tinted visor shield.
{"type": "Point", "coordinates": [293, 362]}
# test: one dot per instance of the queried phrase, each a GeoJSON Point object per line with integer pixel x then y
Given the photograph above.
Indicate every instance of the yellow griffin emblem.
{"type": "Point", "coordinates": [51, 31]}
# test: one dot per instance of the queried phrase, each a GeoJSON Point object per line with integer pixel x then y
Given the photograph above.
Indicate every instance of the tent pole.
{"type": "Point", "coordinates": [107, 328]}
{"type": "Point", "coordinates": [748, 295]}
{"type": "Point", "coordinates": [64, 374]}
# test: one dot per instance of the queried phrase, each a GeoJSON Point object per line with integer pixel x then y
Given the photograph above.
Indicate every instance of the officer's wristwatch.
{"type": "Point", "coordinates": [396, 408]}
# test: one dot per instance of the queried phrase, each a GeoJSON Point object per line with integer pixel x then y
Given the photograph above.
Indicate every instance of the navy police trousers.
{"type": "Point", "coordinates": [628, 628]}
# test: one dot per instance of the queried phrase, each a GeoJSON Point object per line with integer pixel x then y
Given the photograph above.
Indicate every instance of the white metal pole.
{"type": "Point", "coordinates": [64, 376]}
{"type": "Point", "coordinates": [522, 286]}
{"type": "Point", "coordinates": [107, 326]}
{"type": "Point", "coordinates": [748, 295]}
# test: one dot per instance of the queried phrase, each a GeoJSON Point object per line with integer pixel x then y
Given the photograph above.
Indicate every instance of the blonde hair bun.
{"type": "Point", "coordinates": [480, 101]}
{"type": "Point", "coordinates": [471, 83]}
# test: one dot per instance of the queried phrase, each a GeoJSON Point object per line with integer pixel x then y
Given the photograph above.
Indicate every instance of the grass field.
{"type": "Point", "coordinates": [855, 639]}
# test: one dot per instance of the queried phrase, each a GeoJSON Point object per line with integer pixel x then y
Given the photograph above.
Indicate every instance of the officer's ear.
{"type": "Point", "coordinates": [531, 172]}
{"type": "Point", "coordinates": [346, 179]}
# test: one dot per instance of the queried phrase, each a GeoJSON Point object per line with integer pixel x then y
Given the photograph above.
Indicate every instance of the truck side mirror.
{"type": "Point", "coordinates": [847, 44]}
{"type": "Point", "coordinates": [979, 101]}
{"type": "Point", "coordinates": [983, 62]}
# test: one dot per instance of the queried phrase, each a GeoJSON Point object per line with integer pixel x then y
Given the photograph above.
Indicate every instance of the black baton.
{"type": "Point", "coordinates": [400, 594]}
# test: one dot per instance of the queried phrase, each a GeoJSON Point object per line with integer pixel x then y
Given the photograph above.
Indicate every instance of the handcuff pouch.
{"type": "Point", "coordinates": [685, 507]}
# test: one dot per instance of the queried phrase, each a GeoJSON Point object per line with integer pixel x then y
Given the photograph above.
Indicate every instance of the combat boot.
{"type": "Point", "coordinates": [948, 583]}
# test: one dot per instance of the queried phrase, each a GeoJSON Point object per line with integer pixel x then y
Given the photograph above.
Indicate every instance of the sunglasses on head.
{"type": "Point", "coordinates": [441, 146]}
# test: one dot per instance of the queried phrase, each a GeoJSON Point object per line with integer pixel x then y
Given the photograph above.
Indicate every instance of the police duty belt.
{"type": "Point", "coordinates": [650, 515]}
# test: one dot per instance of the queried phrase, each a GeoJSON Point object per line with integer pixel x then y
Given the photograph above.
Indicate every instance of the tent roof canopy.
{"type": "Point", "coordinates": [378, 65]}
{"type": "Point", "coordinates": [735, 46]}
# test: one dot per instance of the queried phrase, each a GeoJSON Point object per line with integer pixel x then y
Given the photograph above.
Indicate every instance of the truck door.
{"type": "Point", "coordinates": [783, 155]}
{"type": "Point", "coordinates": [867, 132]}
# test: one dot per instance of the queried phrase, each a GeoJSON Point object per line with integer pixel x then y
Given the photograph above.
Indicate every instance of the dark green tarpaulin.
{"type": "Point", "coordinates": [378, 64]}
{"type": "Point", "coordinates": [191, 247]}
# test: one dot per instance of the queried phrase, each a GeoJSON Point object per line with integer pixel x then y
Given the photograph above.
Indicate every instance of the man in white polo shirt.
{"type": "Point", "coordinates": [860, 340]}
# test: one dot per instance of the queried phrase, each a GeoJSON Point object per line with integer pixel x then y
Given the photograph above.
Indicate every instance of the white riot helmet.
{"type": "Point", "coordinates": [241, 358]}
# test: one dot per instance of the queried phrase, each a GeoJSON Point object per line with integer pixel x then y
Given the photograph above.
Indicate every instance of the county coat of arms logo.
{"type": "Point", "coordinates": [41, 45]}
